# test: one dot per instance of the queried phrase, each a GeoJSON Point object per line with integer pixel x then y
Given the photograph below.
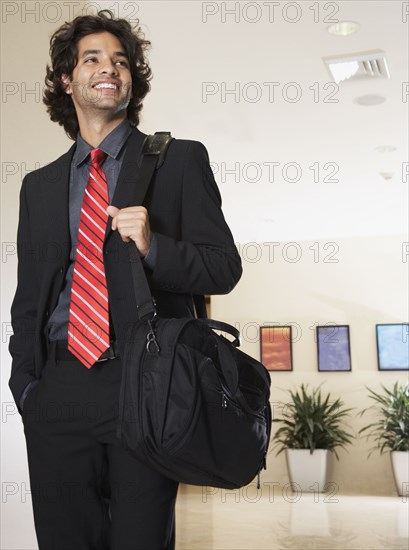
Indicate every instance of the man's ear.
{"type": "Point", "coordinates": [67, 82]}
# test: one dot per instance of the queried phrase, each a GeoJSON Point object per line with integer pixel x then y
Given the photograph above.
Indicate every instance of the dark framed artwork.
{"type": "Point", "coordinates": [392, 342]}
{"type": "Point", "coordinates": [276, 348]}
{"type": "Point", "coordinates": [334, 351]}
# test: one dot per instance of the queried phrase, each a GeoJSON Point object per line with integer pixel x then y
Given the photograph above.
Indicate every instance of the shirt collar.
{"type": "Point", "coordinates": [111, 144]}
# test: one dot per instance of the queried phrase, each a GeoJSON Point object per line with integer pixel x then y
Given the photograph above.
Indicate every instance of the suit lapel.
{"type": "Point", "coordinates": [55, 192]}
{"type": "Point", "coordinates": [128, 174]}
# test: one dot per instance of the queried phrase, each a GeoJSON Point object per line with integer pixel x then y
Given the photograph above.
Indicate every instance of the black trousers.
{"type": "Point", "coordinates": [88, 492]}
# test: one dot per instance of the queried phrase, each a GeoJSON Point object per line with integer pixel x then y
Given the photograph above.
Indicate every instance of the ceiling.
{"type": "Point", "coordinates": [326, 180]}
{"type": "Point", "coordinates": [324, 136]}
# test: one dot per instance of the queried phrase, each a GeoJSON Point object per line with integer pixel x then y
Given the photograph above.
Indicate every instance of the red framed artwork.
{"type": "Point", "coordinates": [275, 348]}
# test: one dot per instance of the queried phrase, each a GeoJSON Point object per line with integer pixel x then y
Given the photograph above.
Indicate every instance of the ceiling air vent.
{"type": "Point", "coordinates": [357, 66]}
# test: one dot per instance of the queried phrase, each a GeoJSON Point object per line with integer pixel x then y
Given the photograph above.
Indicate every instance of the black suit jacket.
{"type": "Point", "coordinates": [196, 253]}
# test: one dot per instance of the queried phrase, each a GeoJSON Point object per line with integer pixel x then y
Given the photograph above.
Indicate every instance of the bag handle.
{"type": "Point", "coordinates": [224, 327]}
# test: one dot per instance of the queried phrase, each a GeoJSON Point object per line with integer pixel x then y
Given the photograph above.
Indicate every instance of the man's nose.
{"type": "Point", "coordinates": [108, 67]}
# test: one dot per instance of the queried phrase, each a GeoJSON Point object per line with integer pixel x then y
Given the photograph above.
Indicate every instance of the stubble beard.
{"type": "Point", "coordinates": [89, 102]}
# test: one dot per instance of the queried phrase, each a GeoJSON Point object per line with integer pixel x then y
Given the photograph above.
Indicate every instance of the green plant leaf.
{"type": "Point", "coordinates": [313, 421]}
{"type": "Point", "coordinates": [390, 429]}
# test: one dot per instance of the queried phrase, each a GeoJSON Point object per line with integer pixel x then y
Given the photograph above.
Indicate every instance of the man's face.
{"type": "Point", "coordinates": [101, 79]}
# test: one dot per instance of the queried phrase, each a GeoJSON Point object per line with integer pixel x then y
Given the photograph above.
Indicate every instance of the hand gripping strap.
{"type": "Point", "coordinates": [153, 156]}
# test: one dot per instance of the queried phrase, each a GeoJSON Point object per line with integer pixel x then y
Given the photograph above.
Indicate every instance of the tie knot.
{"type": "Point", "coordinates": [97, 156]}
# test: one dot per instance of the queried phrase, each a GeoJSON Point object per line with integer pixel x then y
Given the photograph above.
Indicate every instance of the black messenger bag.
{"type": "Point", "coordinates": [192, 405]}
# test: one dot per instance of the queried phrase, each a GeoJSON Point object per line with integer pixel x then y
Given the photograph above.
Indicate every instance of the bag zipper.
{"type": "Point", "coordinates": [227, 399]}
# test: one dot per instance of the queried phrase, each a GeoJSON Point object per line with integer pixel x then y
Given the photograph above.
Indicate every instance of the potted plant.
{"type": "Point", "coordinates": [311, 428]}
{"type": "Point", "coordinates": [390, 431]}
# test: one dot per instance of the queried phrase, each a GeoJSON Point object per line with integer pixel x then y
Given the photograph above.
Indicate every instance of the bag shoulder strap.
{"type": "Point", "coordinates": [157, 145]}
{"type": "Point", "coordinates": [200, 306]}
{"type": "Point", "coordinates": [153, 149]}
{"type": "Point", "coordinates": [153, 156]}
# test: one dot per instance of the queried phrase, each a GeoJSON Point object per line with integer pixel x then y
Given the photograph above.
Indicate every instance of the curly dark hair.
{"type": "Point", "coordinates": [64, 56]}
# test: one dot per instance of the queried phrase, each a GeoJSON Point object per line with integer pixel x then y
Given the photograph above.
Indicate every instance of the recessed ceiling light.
{"type": "Point", "coordinates": [343, 28]}
{"type": "Point", "coordinates": [385, 148]}
{"type": "Point", "coordinates": [370, 99]}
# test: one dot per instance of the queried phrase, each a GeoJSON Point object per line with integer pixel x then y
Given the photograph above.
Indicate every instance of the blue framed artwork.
{"type": "Point", "coordinates": [334, 352]}
{"type": "Point", "coordinates": [392, 342]}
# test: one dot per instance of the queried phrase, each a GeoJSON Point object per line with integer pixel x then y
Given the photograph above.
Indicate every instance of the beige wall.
{"type": "Point", "coordinates": [365, 285]}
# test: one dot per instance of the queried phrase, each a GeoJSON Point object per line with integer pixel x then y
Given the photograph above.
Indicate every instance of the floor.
{"type": "Point", "coordinates": [216, 519]}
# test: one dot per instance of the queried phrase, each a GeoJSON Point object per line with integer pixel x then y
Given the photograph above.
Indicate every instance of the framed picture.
{"type": "Point", "coordinates": [275, 348]}
{"type": "Point", "coordinates": [334, 352]}
{"type": "Point", "coordinates": [392, 342]}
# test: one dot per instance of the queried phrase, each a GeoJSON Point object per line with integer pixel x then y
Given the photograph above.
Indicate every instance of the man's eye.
{"type": "Point", "coordinates": [90, 59]}
{"type": "Point", "coordinates": [124, 63]}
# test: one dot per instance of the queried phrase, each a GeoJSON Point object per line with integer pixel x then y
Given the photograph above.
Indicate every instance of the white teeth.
{"type": "Point", "coordinates": [106, 85]}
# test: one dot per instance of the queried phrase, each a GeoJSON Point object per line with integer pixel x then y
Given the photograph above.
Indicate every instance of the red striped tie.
{"type": "Point", "coordinates": [88, 323]}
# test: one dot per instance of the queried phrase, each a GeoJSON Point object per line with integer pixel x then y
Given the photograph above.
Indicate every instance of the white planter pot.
{"type": "Point", "coordinates": [308, 472]}
{"type": "Point", "coordinates": [400, 467]}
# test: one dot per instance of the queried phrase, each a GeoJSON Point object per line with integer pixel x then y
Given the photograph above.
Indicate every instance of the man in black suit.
{"type": "Point", "coordinates": [87, 491]}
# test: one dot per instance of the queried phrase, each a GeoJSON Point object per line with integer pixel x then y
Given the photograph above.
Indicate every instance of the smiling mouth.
{"type": "Point", "coordinates": [106, 86]}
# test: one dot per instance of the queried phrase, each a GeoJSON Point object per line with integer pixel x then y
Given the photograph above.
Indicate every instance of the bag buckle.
{"type": "Point", "coordinates": [152, 345]}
